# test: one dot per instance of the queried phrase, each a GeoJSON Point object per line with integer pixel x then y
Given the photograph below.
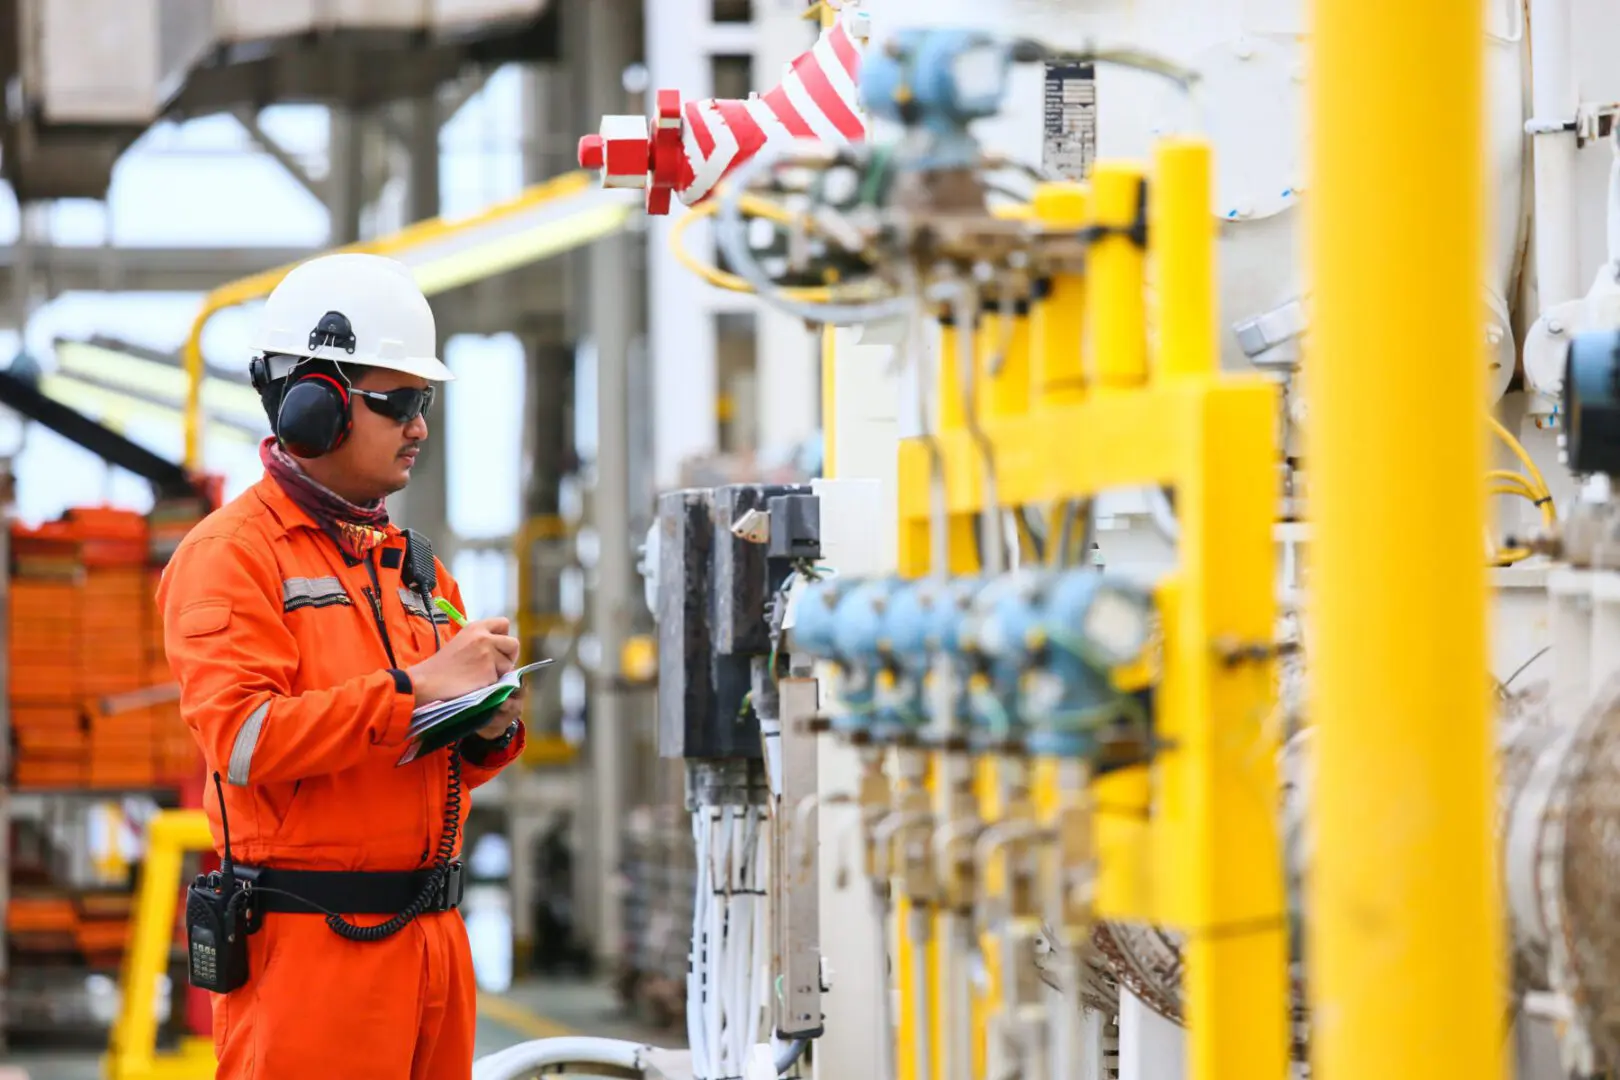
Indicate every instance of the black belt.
{"type": "Point", "coordinates": [348, 892]}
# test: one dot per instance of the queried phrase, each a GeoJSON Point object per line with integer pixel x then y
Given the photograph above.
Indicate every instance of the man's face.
{"type": "Point", "coordinates": [376, 459]}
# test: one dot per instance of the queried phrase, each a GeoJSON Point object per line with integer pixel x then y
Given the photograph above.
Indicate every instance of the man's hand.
{"type": "Point", "coordinates": [481, 653]}
{"type": "Point", "coordinates": [501, 719]}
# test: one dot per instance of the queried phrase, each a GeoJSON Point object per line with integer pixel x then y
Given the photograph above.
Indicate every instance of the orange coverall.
{"type": "Point", "coordinates": [283, 672]}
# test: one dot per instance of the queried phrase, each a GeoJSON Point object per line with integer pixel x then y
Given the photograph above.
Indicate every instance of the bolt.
{"type": "Point", "coordinates": [592, 152]}
{"type": "Point", "coordinates": [1243, 50]}
{"type": "Point", "coordinates": [1555, 328]}
{"type": "Point", "coordinates": [1493, 336]}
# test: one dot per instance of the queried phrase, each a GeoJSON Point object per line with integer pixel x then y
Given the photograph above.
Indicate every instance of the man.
{"type": "Point", "coordinates": [302, 635]}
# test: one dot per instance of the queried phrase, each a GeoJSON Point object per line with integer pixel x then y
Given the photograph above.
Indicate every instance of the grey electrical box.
{"type": "Point", "coordinates": [717, 583]}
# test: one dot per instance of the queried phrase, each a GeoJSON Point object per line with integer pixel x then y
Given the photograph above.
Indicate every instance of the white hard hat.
{"type": "Point", "coordinates": [352, 309]}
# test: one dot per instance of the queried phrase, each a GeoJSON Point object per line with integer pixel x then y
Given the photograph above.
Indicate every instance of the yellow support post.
{"type": "Point", "coordinates": [1057, 316]}
{"type": "Point", "coordinates": [829, 401]}
{"type": "Point", "coordinates": [827, 15]}
{"type": "Point", "coordinates": [1183, 232]}
{"type": "Point", "coordinates": [1406, 950]}
{"type": "Point", "coordinates": [1118, 300]}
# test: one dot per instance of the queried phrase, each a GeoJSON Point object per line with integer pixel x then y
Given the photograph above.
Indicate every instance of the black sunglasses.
{"type": "Point", "coordinates": [401, 406]}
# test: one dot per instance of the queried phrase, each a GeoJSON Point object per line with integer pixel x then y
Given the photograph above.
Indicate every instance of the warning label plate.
{"type": "Point", "coordinates": [1069, 143]}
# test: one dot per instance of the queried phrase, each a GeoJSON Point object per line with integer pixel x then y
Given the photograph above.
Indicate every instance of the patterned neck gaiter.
{"type": "Point", "coordinates": [357, 530]}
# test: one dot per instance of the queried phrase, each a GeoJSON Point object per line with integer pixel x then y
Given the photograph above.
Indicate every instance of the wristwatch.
{"type": "Point", "coordinates": [477, 749]}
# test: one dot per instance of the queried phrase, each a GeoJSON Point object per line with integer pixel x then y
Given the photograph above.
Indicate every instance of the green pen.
{"type": "Point", "coordinates": [450, 609]}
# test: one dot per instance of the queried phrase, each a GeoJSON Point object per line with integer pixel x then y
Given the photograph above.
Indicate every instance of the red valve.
{"type": "Point", "coordinates": [635, 152]}
{"type": "Point", "coordinates": [689, 148]}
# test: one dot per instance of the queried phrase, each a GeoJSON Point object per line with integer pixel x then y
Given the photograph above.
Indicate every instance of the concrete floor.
{"type": "Point", "coordinates": [535, 1009]}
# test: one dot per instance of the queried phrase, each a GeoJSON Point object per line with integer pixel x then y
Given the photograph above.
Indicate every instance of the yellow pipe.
{"type": "Point", "coordinates": [1057, 319]}
{"type": "Point", "coordinates": [987, 999]}
{"type": "Point", "coordinates": [1118, 299]}
{"type": "Point", "coordinates": [950, 410]}
{"type": "Point", "coordinates": [1182, 229]}
{"type": "Point", "coordinates": [829, 401]}
{"type": "Point", "coordinates": [1004, 340]}
{"type": "Point", "coordinates": [1406, 922]}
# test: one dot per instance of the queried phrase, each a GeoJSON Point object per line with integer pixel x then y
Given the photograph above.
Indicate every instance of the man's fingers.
{"type": "Point", "coordinates": [506, 646]}
{"type": "Point", "coordinates": [498, 625]}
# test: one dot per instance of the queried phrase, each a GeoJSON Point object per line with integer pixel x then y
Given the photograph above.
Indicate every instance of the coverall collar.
{"type": "Point", "coordinates": [288, 513]}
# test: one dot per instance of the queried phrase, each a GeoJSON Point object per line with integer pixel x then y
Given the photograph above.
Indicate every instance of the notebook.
{"type": "Point", "coordinates": [440, 723]}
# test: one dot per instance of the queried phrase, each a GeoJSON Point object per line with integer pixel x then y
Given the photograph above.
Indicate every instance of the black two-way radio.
{"type": "Point", "coordinates": [219, 918]}
{"type": "Point", "coordinates": [421, 574]}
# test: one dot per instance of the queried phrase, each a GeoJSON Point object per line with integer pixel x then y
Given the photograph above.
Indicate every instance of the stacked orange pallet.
{"type": "Point", "coordinates": [96, 925]}
{"type": "Point", "coordinates": [102, 925]}
{"type": "Point", "coordinates": [42, 923]}
{"type": "Point", "coordinates": [43, 631]}
{"type": "Point", "coordinates": [116, 608]}
{"type": "Point", "coordinates": [92, 700]}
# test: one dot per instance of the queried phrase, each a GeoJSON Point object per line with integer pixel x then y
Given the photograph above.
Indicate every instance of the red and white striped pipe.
{"type": "Point", "coordinates": [687, 150]}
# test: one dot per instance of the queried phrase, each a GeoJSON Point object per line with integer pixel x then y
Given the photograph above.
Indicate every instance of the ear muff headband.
{"type": "Point", "coordinates": [313, 418]}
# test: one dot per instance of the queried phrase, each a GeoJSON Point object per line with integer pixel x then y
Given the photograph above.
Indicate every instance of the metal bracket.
{"type": "Point", "coordinates": [1270, 339]}
{"type": "Point", "coordinates": [1593, 120]}
{"type": "Point", "coordinates": [796, 911]}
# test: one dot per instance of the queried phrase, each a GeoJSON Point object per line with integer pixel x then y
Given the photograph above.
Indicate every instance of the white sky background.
{"type": "Point", "coordinates": [204, 184]}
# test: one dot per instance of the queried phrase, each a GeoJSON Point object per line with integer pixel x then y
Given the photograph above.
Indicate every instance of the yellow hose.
{"type": "Point", "coordinates": [1537, 480]}
{"type": "Point", "coordinates": [753, 206]}
{"type": "Point", "coordinates": [1532, 487]}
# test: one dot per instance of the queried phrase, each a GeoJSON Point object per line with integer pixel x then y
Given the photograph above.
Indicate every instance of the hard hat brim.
{"type": "Point", "coordinates": [423, 367]}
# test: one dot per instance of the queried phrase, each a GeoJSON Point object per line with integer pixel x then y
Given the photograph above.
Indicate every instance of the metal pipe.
{"type": "Point", "coordinates": [880, 912]}
{"type": "Point", "coordinates": [1001, 835]}
{"type": "Point", "coordinates": [1554, 98]}
{"type": "Point", "coordinates": [808, 805]}
{"type": "Point", "coordinates": [888, 825]}
{"type": "Point", "coordinates": [956, 994]}
{"type": "Point", "coordinates": [1406, 919]}
{"type": "Point", "coordinates": [569, 1051]}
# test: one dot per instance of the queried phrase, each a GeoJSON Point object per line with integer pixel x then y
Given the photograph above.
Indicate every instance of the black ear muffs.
{"type": "Point", "coordinates": [312, 418]}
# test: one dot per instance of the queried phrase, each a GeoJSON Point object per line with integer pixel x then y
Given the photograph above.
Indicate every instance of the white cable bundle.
{"type": "Point", "coordinates": [726, 986]}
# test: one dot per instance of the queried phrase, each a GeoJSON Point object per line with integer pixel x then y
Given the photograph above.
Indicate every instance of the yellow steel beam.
{"type": "Point", "coordinates": [443, 253]}
{"type": "Point", "coordinates": [827, 15]}
{"type": "Point", "coordinates": [1103, 442]}
{"type": "Point", "coordinates": [1406, 927]}
{"type": "Point", "coordinates": [1191, 842]}
{"type": "Point", "coordinates": [132, 1048]}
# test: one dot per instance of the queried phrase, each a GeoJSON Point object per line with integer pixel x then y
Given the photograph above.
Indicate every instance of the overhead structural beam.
{"type": "Point", "coordinates": [59, 386]}
{"type": "Point", "coordinates": [167, 478]}
{"type": "Point", "coordinates": [249, 119]}
{"type": "Point", "coordinates": [56, 270]}
{"type": "Point", "coordinates": [398, 123]}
